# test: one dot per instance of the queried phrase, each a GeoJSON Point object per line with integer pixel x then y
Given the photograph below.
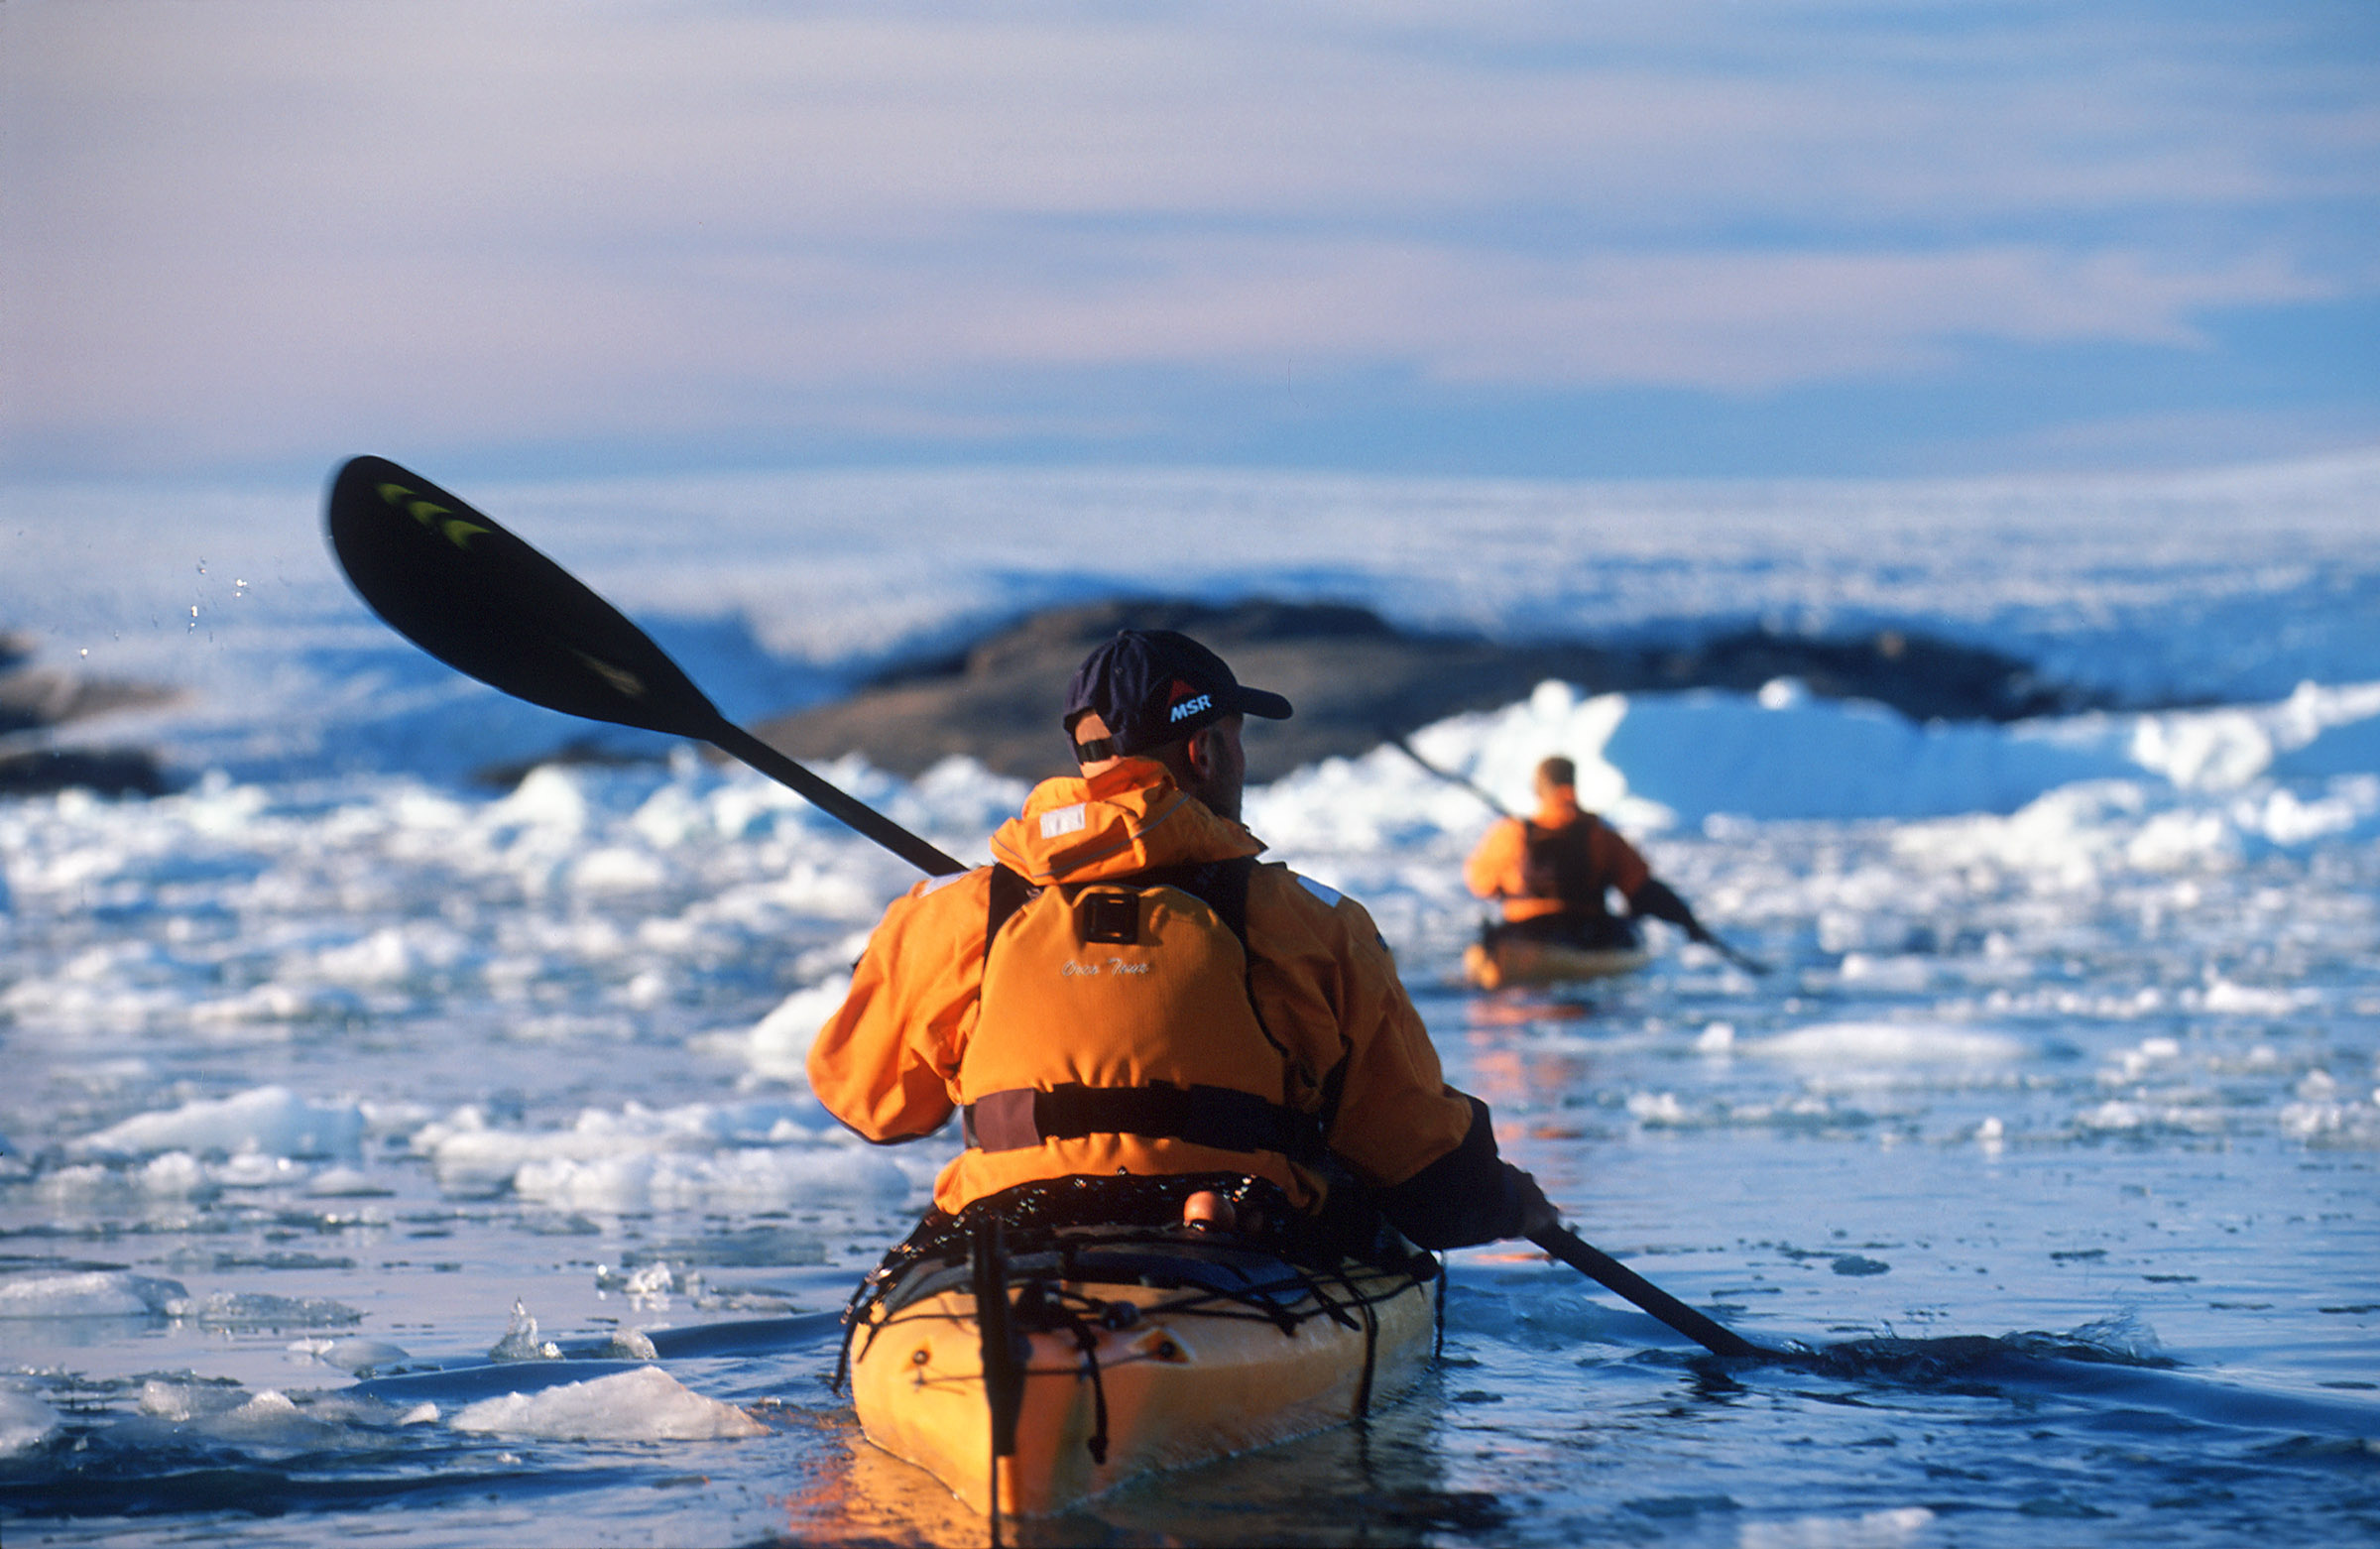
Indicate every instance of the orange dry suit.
{"type": "Point", "coordinates": [1551, 873]}
{"type": "Point", "coordinates": [1127, 990]}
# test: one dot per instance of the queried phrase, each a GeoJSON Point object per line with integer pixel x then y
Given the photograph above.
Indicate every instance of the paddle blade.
{"type": "Point", "coordinates": [482, 601]}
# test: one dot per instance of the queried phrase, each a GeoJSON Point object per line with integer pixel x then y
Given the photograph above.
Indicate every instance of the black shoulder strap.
{"type": "Point", "coordinates": [1009, 892]}
{"type": "Point", "coordinates": [1220, 886]}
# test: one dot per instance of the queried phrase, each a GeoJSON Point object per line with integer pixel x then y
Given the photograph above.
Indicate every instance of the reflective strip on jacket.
{"type": "Point", "coordinates": [1337, 1022]}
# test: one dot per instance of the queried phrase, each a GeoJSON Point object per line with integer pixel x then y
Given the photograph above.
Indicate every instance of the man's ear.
{"type": "Point", "coordinates": [1199, 752]}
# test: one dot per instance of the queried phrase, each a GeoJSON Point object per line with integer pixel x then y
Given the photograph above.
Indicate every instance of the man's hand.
{"type": "Point", "coordinates": [1528, 1211]}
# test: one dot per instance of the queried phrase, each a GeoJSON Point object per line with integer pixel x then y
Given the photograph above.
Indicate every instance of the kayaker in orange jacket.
{"type": "Point", "coordinates": [1554, 871]}
{"type": "Point", "coordinates": [1127, 990]}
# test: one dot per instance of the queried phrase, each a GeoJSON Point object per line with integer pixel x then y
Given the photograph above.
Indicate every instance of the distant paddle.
{"type": "Point", "coordinates": [1694, 929]}
{"type": "Point", "coordinates": [485, 603]}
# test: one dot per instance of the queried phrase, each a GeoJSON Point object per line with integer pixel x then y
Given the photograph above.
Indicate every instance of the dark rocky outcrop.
{"type": "Point", "coordinates": [35, 699]}
{"type": "Point", "coordinates": [1357, 680]}
{"type": "Point", "coordinates": [110, 772]}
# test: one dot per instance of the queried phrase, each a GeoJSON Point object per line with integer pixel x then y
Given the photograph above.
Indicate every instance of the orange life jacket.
{"type": "Point", "coordinates": [1314, 1019]}
{"type": "Point", "coordinates": [1116, 1029]}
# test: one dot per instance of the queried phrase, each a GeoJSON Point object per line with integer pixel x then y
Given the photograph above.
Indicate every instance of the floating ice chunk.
{"type": "Point", "coordinates": [1660, 1108]}
{"type": "Point", "coordinates": [273, 1419]}
{"type": "Point", "coordinates": [2252, 1000]}
{"type": "Point", "coordinates": [1888, 1529]}
{"type": "Point", "coordinates": [344, 1183]}
{"type": "Point", "coordinates": [179, 1402]}
{"type": "Point", "coordinates": [520, 1342]}
{"type": "Point", "coordinates": [631, 1344]}
{"type": "Point", "coordinates": [175, 1175]}
{"type": "Point", "coordinates": [262, 1310]}
{"type": "Point", "coordinates": [281, 1003]}
{"type": "Point", "coordinates": [617, 869]}
{"type": "Point", "coordinates": [252, 1171]}
{"type": "Point", "coordinates": [1718, 1038]}
{"type": "Point", "coordinates": [754, 1178]}
{"type": "Point", "coordinates": [643, 1405]}
{"type": "Point", "coordinates": [1874, 1044]}
{"type": "Point", "coordinates": [91, 1293]}
{"type": "Point", "coordinates": [780, 1043]}
{"type": "Point", "coordinates": [637, 1157]}
{"type": "Point", "coordinates": [269, 1119]}
{"type": "Point", "coordinates": [26, 1422]}
{"type": "Point", "coordinates": [352, 1353]}
{"type": "Point", "coordinates": [1887, 973]}
{"type": "Point", "coordinates": [420, 1414]}
{"type": "Point", "coordinates": [548, 803]}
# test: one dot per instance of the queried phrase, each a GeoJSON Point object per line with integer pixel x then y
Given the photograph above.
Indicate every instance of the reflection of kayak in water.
{"type": "Point", "coordinates": [1141, 1349]}
{"type": "Point", "coordinates": [1517, 960]}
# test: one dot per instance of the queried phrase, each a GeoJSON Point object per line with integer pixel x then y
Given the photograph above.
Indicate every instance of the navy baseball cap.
{"type": "Point", "coordinates": [1155, 686]}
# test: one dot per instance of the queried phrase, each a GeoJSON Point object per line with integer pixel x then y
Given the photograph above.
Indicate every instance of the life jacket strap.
{"type": "Point", "coordinates": [1218, 1117]}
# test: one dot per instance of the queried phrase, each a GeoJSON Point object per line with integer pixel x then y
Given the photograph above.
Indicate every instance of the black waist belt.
{"type": "Point", "coordinates": [1227, 1120]}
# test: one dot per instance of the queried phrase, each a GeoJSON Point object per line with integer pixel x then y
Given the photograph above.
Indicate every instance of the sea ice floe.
{"type": "Point", "coordinates": [643, 1405]}
{"type": "Point", "coordinates": [26, 1422]}
{"type": "Point", "coordinates": [635, 1159]}
{"type": "Point", "coordinates": [1887, 1043]}
{"type": "Point", "coordinates": [780, 1043]}
{"type": "Point", "coordinates": [91, 1293]}
{"type": "Point", "coordinates": [263, 1310]}
{"type": "Point", "coordinates": [361, 1356]}
{"type": "Point", "coordinates": [270, 1120]}
{"type": "Point", "coordinates": [1891, 1528]}
{"type": "Point", "coordinates": [177, 1175]}
{"type": "Point", "coordinates": [748, 1178]}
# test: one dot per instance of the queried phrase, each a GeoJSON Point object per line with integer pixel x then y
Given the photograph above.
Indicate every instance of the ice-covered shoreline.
{"type": "Point", "coordinates": [773, 590]}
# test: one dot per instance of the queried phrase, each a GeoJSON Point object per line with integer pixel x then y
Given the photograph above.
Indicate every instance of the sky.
{"type": "Point", "coordinates": [1757, 238]}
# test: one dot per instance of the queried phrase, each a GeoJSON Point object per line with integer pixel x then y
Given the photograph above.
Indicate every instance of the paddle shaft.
{"type": "Point", "coordinates": [731, 738]}
{"type": "Point", "coordinates": [1601, 1267]}
{"type": "Point", "coordinates": [1449, 775]}
{"type": "Point", "coordinates": [1750, 965]}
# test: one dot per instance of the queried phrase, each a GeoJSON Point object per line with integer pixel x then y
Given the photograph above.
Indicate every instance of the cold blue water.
{"type": "Point", "coordinates": [393, 1156]}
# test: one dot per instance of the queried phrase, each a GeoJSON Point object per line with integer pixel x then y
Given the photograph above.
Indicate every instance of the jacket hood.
{"type": "Point", "coordinates": [1128, 817]}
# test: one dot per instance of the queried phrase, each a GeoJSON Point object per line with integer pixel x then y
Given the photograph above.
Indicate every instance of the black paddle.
{"type": "Point", "coordinates": [485, 603]}
{"type": "Point", "coordinates": [1695, 930]}
{"type": "Point", "coordinates": [1601, 1267]}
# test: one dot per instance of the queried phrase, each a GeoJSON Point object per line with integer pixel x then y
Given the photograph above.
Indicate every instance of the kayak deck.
{"type": "Point", "coordinates": [1517, 960]}
{"type": "Point", "coordinates": [1154, 1351]}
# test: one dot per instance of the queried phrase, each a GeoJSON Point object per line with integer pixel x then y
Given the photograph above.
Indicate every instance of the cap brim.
{"type": "Point", "coordinates": [1255, 701]}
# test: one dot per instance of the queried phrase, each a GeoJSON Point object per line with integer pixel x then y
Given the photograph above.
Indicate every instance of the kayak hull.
{"type": "Point", "coordinates": [1184, 1381]}
{"type": "Point", "coordinates": [1517, 960]}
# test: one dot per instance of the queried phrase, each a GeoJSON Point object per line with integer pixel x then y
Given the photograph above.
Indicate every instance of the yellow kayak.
{"type": "Point", "coordinates": [1519, 961]}
{"type": "Point", "coordinates": [1137, 1350]}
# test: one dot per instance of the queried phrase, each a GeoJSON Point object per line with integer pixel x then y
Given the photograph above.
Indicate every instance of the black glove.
{"type": "Point", "coordinates": [1525, 1207]}
{"type": "Point", "coordinates": [1655, 898]}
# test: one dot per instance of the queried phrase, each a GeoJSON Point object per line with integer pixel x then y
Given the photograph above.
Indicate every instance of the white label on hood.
{"type": "Point", "coordinates": [1064, 820]}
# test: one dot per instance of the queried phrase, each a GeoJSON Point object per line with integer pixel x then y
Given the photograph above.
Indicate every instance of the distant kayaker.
{"type": "Point", "coordinates": [1132, 1016]}
{"type": "Point", "coordinates": [1555, 872]}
